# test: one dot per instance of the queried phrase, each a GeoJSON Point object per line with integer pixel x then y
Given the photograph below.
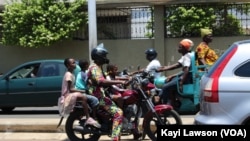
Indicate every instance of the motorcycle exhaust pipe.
{"type": "Point", "coordinates": [78, 129]}
{"type": "Point", "coordinates": [86, 130]}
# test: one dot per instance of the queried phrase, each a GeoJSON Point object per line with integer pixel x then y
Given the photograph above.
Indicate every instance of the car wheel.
{"type": "Point", "coordinates": [7, 109]}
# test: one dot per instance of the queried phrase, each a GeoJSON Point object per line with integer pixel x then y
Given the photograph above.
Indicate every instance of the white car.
{"type": "Point", "coordinates": [225, 89]}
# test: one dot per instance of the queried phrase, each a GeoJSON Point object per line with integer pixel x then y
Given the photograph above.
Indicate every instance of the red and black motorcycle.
{"type": "Point", "coordinates": [137, 104]}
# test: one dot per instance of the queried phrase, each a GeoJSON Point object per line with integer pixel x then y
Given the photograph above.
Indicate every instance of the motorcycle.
{"type": "Point", "coordinates": [137, 100]}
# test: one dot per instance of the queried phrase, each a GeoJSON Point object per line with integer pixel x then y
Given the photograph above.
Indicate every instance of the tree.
{"type": "Point", "coordinates": [186, 20]}
{"type": "Point", "coordinates": [37, 23]}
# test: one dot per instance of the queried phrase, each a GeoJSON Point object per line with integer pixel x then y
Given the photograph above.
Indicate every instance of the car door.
{"type": "Point", "coordinates": [49, 82]}
{"type": "Point", "coordinates": [18, 86]}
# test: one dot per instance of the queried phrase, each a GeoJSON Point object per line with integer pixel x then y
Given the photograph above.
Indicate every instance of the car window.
{"type": "Point", "coordinates": [51, 69]}
{"type": "Point", "coordinates": [243, 70]}
{"type": "Point", "coordinates": [24, 72]}
{"type": "Point", "coordinates": [34, 71]}
{"type": "Point", "coordinates": [62, 69]}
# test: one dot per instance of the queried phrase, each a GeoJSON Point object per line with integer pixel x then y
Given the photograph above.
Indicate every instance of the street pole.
{"type": "Point", "coordinates": [92, 26]}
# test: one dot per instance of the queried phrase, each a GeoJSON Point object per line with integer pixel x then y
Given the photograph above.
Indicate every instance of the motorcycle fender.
{"type": "Point", "coordinates": [159, 109]}
{"type": "Point", "coordinates": [162, 108]}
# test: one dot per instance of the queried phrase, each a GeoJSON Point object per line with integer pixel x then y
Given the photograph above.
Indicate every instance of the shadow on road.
{"type": "Point", "coordinates": [29, 112]}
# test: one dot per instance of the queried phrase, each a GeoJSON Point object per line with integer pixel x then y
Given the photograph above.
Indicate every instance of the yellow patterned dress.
{"type": "Point", "coordinates": [204, 51]}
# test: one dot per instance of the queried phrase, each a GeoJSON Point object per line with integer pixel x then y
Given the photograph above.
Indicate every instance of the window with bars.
{"type": "Point", "coordinates": [122, 23]}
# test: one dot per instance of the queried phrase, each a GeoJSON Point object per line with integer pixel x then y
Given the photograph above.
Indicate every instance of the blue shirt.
{"type": "Point", "coordinates": [77, 70]}
{"type": "Point", "coordinates": [81, 81]}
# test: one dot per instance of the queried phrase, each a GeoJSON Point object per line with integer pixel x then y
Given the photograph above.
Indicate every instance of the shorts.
{"type": "Point", "coordinates": [92, 100]}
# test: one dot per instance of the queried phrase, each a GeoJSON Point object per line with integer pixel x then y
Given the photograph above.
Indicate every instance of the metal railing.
{"type": "Point", "coordinates": [122, 23]}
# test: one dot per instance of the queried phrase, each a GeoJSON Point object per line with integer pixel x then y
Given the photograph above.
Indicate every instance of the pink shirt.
{"type": "Point", "coordinates": [68, 76]}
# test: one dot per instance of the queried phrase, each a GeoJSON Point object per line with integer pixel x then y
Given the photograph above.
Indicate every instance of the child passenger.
{"type": "Point", "coordinates": [116, 90]}
{"type": "Point", "coordinates": [71, 94]}
{"type": "Point", "coordinates": [82, 84]}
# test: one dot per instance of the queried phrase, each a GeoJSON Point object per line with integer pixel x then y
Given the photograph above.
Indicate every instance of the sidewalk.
{"type": "Point", "coordinates": [29, 129]}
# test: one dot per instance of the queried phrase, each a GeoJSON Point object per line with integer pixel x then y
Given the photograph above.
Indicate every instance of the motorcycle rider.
{"type": "Point", "coordinates": [154, 63]}
{"type": "Point", "coordinates": [168, 90]}
{"type": "Point", "coordinates": [97, 77]}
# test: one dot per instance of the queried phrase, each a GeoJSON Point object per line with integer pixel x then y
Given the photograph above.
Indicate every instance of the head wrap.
{"type": "Point", "coordinates": [187, 44]}
{"type": "Point", "coordinates": [205, 31]}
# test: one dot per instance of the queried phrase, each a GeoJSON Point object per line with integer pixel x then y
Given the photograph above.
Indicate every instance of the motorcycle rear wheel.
{"type": "Point", "coordinates": [170, 117]}
{"type": "Point", "coordinates": [74, 120]}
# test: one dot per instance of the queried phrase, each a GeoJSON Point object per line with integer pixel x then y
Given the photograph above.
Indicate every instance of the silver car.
{"type": "Point", "coordinates": [225, 88]}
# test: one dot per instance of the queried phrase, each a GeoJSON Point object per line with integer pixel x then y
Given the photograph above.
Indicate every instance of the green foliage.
{"type": "Point", "coordinates": [186, 21]}
{"type": "Point", "coordinates": [149, 27]}
{"type": "Point", "coordinates": [231, 27]}
{"type": "Point", "coordinates": [37, 23]}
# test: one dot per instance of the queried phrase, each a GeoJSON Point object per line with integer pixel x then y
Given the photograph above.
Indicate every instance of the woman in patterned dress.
{"type": "Point", "coordinates": [98, 81]}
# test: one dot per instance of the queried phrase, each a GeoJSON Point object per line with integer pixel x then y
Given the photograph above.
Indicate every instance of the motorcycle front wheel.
{"type": "Point", "coordinates": [170, 117]}
{"type": "Point", "coordinates": [74, 129]}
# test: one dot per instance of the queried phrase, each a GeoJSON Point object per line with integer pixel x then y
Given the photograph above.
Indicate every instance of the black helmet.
{"type": "Point", "coordinates": [151, 54]}
{"type": "Point", "coordinates": [99, 54]}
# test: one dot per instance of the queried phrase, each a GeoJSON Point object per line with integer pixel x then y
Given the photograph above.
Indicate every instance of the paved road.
{"type": "Point", "coordinates": [12, 129]}
{"type": "Point", "coordinates": [39, 124]}
{"type": "Point", "coordinates": [49, 137]}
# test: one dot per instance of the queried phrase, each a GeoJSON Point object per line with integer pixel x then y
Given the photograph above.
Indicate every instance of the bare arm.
{"type": "Point", "coordinates": [184, 76]}
{"type": "Point", "coordinates": [72, 89]}
{"type": "Point", "coordinates": [126, 78]}
{"type": "Point", "coordinates": [117, 88]}
{"type": "Point", "coordinates": [135, 72]}
{"type": "Point", "coordinates": [171, 67]}
{"type": "Point", "coordinates": [111, 82]}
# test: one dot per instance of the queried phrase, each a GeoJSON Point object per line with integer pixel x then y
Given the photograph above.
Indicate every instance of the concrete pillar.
{"type": "Point", "coordinates": [159, 41]}
{"type": "Point", "coordinates": [92, 26]}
